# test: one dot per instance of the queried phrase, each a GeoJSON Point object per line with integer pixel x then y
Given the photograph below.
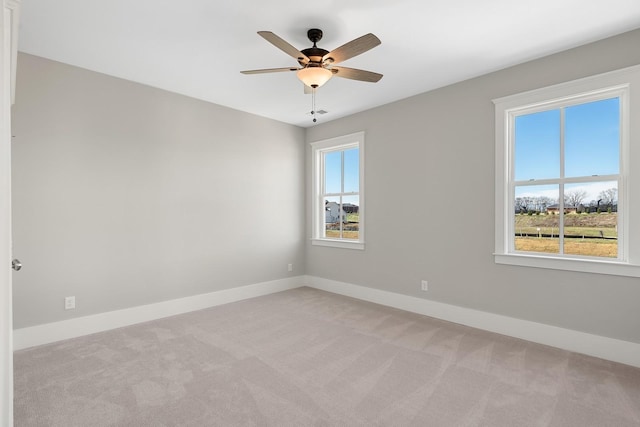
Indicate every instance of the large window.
{"type": "Point", "coordinates": [338, 208]}
{"type": "Point", "coordinates": [565, 178]}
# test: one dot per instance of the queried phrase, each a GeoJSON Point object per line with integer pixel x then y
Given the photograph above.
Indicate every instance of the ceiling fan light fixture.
{"type": "Point", "coordinates": [314, 76]}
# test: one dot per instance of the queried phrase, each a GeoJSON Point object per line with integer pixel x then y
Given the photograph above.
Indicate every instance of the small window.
{"type": "Point", "coordinates": [338, 214]}
{"type": "Point", "coordinates": [563, 180]}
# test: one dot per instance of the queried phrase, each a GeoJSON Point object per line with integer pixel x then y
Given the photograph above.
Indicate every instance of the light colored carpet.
{"type": "Point", "coordinates": [310, 358]}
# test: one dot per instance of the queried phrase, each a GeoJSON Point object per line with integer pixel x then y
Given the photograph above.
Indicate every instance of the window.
{"type": "Point", "coordinates": [566, 178]}
{"type": "Point", "coordinates": [338, 199]}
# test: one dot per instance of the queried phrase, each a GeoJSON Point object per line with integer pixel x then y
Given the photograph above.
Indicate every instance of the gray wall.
{"type": "Point", "coordinates": [126, 195]}
{"type": "Point", "coordinates": [433, 155]}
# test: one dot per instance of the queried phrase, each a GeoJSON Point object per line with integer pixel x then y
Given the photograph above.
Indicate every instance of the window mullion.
{"type": "Point", "coordinates": [561, 186]}
{"type": "Point", "coordinates": [322, 226]}
{"type": "Point", "coordinates": [340, 218]}
{"type": "Point", "coordinates": [340, 208]}
{"type": "Point", "coordinates": [342, 172]}
{"type": "Point", "coordinates": [511, 227]}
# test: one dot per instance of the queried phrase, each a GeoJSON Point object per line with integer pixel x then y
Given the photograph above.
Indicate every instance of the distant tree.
{"type": "Point", "coordinates": [609, 197]}
{"type": "Point", "coordinates": [521, 204]}
{"type": "Point", "coordinates": [542, 202]}
{"type": "Point", "coordinates": [591, 207]}
{"type": "Point", "coordinates": [574, 198]}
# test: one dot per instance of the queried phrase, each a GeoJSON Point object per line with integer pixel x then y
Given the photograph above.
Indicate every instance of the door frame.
{"type": "Point", "coordinates": [8, 56]}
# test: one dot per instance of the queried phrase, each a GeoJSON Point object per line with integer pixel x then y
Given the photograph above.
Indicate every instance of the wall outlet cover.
{"type": "Point", "coordinates": [69, 303]}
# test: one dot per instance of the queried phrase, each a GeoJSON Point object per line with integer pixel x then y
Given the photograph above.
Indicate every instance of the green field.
{"type": "Point", "coordinates": [350, 230]}
{"type": "Point", "coordinates": [585, 234]}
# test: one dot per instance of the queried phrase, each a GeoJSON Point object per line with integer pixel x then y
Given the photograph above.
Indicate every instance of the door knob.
{"type": "Point", "coordinates": [16, 264]}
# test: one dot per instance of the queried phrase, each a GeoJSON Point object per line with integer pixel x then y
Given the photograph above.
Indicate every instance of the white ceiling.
{"type": "Point", "coordinates": [198, 47]}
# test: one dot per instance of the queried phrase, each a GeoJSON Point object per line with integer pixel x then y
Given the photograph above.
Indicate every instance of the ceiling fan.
{"type": "Point", "coordinates": [317, 65]}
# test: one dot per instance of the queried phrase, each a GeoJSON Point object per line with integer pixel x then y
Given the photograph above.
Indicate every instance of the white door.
{"type": "Point", "coordinates": [8, 51]}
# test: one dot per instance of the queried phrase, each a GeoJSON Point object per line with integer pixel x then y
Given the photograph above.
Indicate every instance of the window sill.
{"type": "Point", "coordinates": [615, 268]}
{"type": "Point", "coordinates": [338, 244]}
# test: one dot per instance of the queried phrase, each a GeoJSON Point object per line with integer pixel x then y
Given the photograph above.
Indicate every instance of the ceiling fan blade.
{"type": "Point", "coordinates": [269, 70]}
{"type": "Point", "coordinates": [284, 46]}
{"type": "Point", "coordinates": [352, 48]}
{"type": "Point", "coordinates": [355, 74]}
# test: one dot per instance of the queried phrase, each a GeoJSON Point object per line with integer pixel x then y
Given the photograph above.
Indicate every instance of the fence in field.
{"type": "Point", "coordinates": [566, 236]}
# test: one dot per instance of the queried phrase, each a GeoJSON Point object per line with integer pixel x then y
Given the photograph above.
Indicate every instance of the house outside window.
{"type": "Point", "coordinates": [567, 178]}
{"type": "Point", "coordinates": [338, 197]}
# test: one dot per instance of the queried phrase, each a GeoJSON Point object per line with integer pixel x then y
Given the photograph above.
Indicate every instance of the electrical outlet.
{"type": "Point", "coordinates": [290, 267]}
{"type": "Point", "coordinates": [425, 285]}
{"type": "Point", "coordinates": [69, 303]}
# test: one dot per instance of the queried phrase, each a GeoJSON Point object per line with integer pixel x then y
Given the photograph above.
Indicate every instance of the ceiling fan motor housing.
{"type": "Point", "coordinates": [315, 35]}
{"type": "Point", "coordinates": [315, 54]}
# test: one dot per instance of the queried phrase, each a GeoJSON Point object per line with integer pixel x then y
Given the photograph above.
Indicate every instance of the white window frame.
{"type": "Point", "coordinates": [318, 149]}
{"type": "Point", "coordinates": [624, 84]}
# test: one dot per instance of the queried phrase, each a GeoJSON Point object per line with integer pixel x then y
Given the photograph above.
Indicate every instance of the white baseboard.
{"type": "Point", "coordinates": [72, 328]}
{"type": "Point", "coordinates": [593, 345]}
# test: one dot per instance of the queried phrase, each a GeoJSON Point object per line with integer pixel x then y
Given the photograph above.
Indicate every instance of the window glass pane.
{"type": "Point", "coordinates": [351, 207]}
{"type": "Point", "coordinates": [592, 138]}
{"type": "Point", "coordinates": [591, 221]}
{"type": "Point", "coordinates": [537, 145]}
{"type": "Point", "coordinates": [332, 215]}
{"type": "Point", "coordinates": [351, 171]}
{"type": "Point", "coordinates": [333, 172]}
{"type": "Point", "coordinates": [537, 220]}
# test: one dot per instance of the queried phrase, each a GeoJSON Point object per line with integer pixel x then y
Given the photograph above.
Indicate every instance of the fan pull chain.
{"type": "Point", "coordinates": [313, 103]}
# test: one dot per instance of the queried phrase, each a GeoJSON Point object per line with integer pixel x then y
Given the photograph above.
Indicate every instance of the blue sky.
{"type": "Point", "coordinates": [333, 164]}
{"type": "Point", "coordinates": [592, 136]}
